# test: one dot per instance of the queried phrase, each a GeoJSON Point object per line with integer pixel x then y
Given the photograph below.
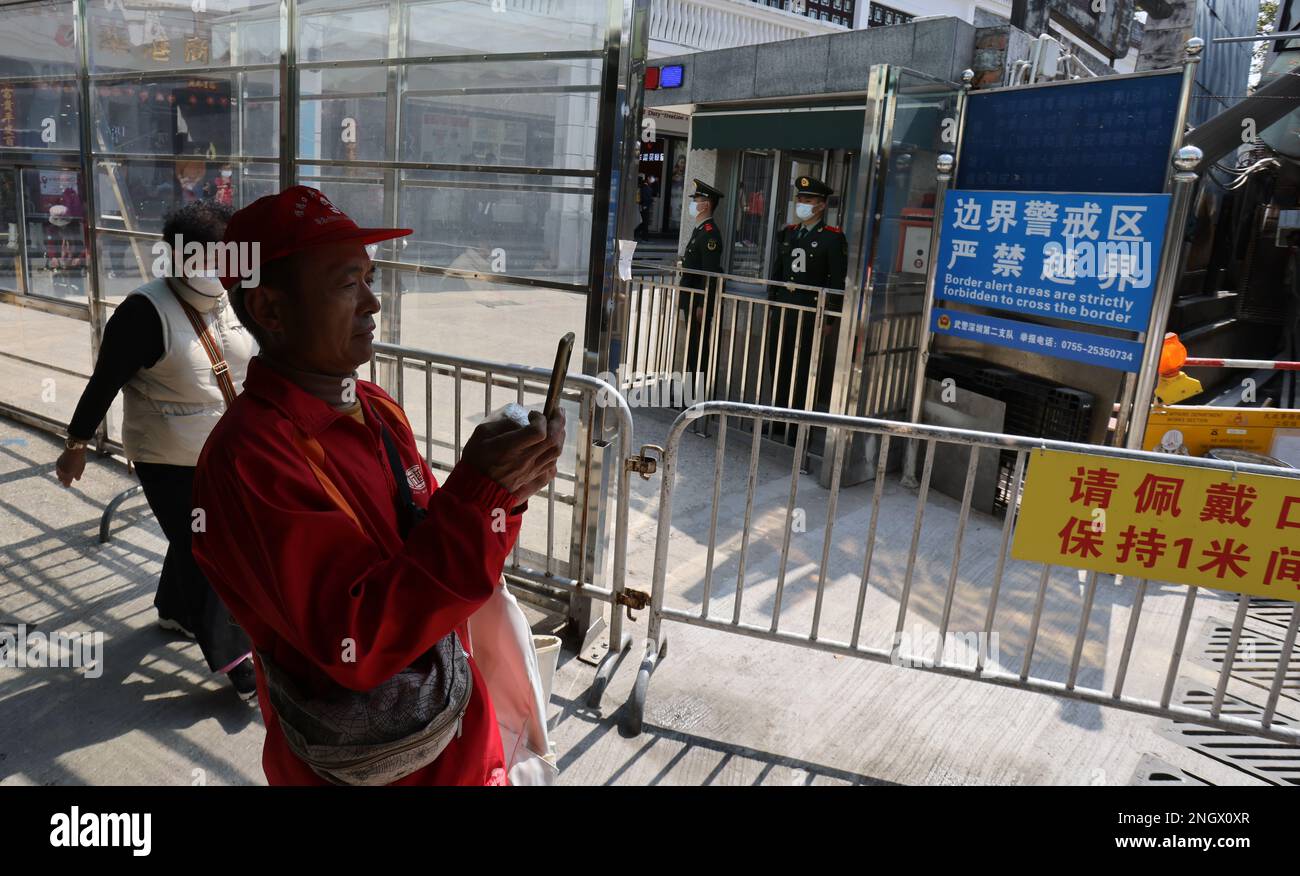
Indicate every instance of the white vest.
{"type": "Point", "coordinates": [172, 406]}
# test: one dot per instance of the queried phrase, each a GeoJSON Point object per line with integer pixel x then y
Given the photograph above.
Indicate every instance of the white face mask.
{"type": "Point", "coordinates": [205, 284]}
{"type": "Point", "coordinates": [226, 173]}
{"type": "Point", "coordinates": [803, 211]}
{"type": "Point", "coordinates": [693, 208]}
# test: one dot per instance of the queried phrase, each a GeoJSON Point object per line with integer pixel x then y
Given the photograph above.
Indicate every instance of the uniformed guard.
{"type": "Point", "coordinates": [703, 253]}
{"type": "Point", "coordinates": [810, 253]}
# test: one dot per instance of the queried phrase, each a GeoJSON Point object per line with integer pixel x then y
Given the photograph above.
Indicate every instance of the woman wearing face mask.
{"type": "Point", "coordinates": [174, 395]}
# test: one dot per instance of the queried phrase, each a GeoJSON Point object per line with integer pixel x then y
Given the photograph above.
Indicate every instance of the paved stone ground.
{"type": "Point", "coordinates": [723, 709]}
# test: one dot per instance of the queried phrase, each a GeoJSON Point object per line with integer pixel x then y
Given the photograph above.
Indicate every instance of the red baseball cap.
{"type": "Point", "coordinates": [297, 218]}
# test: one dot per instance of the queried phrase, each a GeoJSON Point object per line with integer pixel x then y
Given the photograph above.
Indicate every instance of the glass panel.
{"type": "Point", "coordinates": [910, 184]}
{"type": "Point", "coordinates": [56, 234]}
{"type": "Point", "coordinates": [256, 39]}
{"type": "Point", "coordinates": [39, 115]}
{"type": "Point", "coordinates": [189, 116]}
{"type": "Point", "coordinates": [464, 27]}
{"type": "Point", "coordinates": [136, 195]}
{"type": "Point", "coordinates": [38, 39]}
{"type": "Point", "coordinates": [125, 263]}
{"type": "Point", "coordinates": [259, 131]}
{"type": "Point", "coordinates": [335, 30]}
{"type": "Point", "coordinates": [897, 270]}
{"type": "Point", "coordinates": [146, 36]}
{"type": "Point", "coordinates": [750, 242]}
{"type": "Point", "coordinates": [9, 273]}
{"type": "Point", "coordinates": [343, 114]}
{"type": "Point", "coordinates": [521, 226]}
{"type": "Point", "coordinates": [487, 320]}
{"type": "Point", "coordinates": [526, 113]}
{"type": "Point", "coordinates": [27, 337]}
{"type": "Point", "coordinates": [256, 181]}
{"type": "Point", "coordinates": [359, 192]}
{"type": "Point", "coordinates": [676, 185]}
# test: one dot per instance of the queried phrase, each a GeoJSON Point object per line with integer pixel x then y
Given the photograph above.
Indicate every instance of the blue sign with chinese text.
{"type": "Point", "coordinates": [1111, 134]}
{"type": "Point", "coordinates": [1080, 258]}
{"type": "Point", "coordinates": [1033, 338]}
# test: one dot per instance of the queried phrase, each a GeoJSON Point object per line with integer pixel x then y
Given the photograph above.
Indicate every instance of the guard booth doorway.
{"type": "Point", "coordinates": [879, 157]}
{"type": "Point", "coordinates": [764, 203]}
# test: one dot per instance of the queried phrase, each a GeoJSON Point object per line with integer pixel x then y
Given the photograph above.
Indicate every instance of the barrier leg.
{"type": "Point", "coordinates": [608, 666]}
{"type": "Point", "coordinates": [106, 519]}
{"type": "Point", "coordinates": [654, 653]}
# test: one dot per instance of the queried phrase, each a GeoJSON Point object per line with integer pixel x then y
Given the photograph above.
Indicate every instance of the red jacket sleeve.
{"type": "Point", "coordinates": [281, 547]}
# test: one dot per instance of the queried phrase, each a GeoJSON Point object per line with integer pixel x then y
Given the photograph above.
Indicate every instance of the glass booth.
{"type": "Point", "coordinates": [485, 125]}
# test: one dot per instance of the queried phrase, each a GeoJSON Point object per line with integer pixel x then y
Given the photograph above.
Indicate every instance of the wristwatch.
{"type": "Point", "coordinates": [74, 444]}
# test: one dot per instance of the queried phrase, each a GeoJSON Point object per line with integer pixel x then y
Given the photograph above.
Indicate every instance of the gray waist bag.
{"type": "Point", "coordinates": [382, 735]}
{"type": "Point", "coordinates": [378, 736]}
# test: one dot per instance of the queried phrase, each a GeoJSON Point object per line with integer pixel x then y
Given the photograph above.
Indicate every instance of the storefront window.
{"type": "Point", "coordinates": [165, 137]}
{"type": "Point", "coordinates": [39, 115]}
{"type": "Point", "coordinates": [143, 36]}
{"type": "Point", "coordinates": [56, 234]}
{"type": "Point", "coordinates": [9, 254]}
{"type": "Point", "coordinates": [39, 40]}
{"type": "Point", "coordinates": [38, 67]}
{"type": "Point", "coordinates": [402, 115]}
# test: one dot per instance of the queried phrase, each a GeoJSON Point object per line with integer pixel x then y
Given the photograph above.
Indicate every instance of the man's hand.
{"type": "Point", "coordinates": [70, 466]}
{"type": "Point", "coordinates": [522, 459]}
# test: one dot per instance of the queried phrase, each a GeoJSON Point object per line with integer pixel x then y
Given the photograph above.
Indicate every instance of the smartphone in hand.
{"type": "Point", "coordinates": [563, 352]}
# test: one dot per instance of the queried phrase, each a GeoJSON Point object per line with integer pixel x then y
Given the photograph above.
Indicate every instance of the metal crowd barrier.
{"type": "Point", "coordinates": [563, 559]}
{"type": "Point", "coordinates": [859, 607]}
{"type": "Point", "coordinates": [736, 351]}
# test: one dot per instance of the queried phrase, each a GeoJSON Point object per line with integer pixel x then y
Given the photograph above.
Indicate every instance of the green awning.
{"type": "Point", "coordinates": [811, 129]}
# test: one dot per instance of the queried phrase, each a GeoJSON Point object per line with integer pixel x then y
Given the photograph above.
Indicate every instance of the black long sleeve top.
{"type": "Point", "coordinates": [133, 339]}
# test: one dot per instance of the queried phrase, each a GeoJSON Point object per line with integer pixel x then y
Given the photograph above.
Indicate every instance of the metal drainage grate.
{"type": "Point", "coordinates": [1151, 770]}
{"type": "Point", "coordinates": [1258, 649]}
{"type": "Point", "coordinates": [1273, 611]}
{"type": "Point", "coordinates": [1276, 763]}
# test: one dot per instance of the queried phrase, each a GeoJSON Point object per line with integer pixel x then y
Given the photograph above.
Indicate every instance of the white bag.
{"type": "Point", "coordinates": [501, 643]}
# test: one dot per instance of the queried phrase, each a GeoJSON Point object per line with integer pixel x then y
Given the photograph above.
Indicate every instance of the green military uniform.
{"type": "Point", "coordinates": [810, 256]}
{"type": "Point", "coordinates": [822, 249]}
{"type": "Point", "coordinates": [703, 253]}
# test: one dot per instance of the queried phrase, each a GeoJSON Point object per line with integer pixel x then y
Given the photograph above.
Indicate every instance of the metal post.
{"type": "Point", "coordinates": [390, 325]}
{"type": "Point", "coordinates": [288, 93]}
{"type": "Point", "coordinates": [621, 95]}
{"type": "Point", "coordinates": [1191, 57]}
{"type": "Point", "coordinates": [1192, 50]}
{"type": "Point", "coordinates": [855, 309]}
{"type": "Point", "coordinates": [89, 202]}
{"type": "Point", "coordinates": [1171, 261]}
{"type": "Point", "coordinates": [944, 164]}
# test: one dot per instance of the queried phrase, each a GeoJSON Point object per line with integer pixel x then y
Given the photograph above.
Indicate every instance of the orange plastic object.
{"type": "Point", "coordinates": [1172, 355]}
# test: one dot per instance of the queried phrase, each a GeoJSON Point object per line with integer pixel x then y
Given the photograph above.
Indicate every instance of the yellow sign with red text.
{"type": "Point", "coordinates": [1170, 523]}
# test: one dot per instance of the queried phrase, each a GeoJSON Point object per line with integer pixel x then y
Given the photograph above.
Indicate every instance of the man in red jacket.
{"type": "Point", "coordinates": [301, 534]}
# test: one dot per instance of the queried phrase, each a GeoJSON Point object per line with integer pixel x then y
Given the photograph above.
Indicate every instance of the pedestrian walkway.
{"type": "Point", "coordinates": [722, 710]}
